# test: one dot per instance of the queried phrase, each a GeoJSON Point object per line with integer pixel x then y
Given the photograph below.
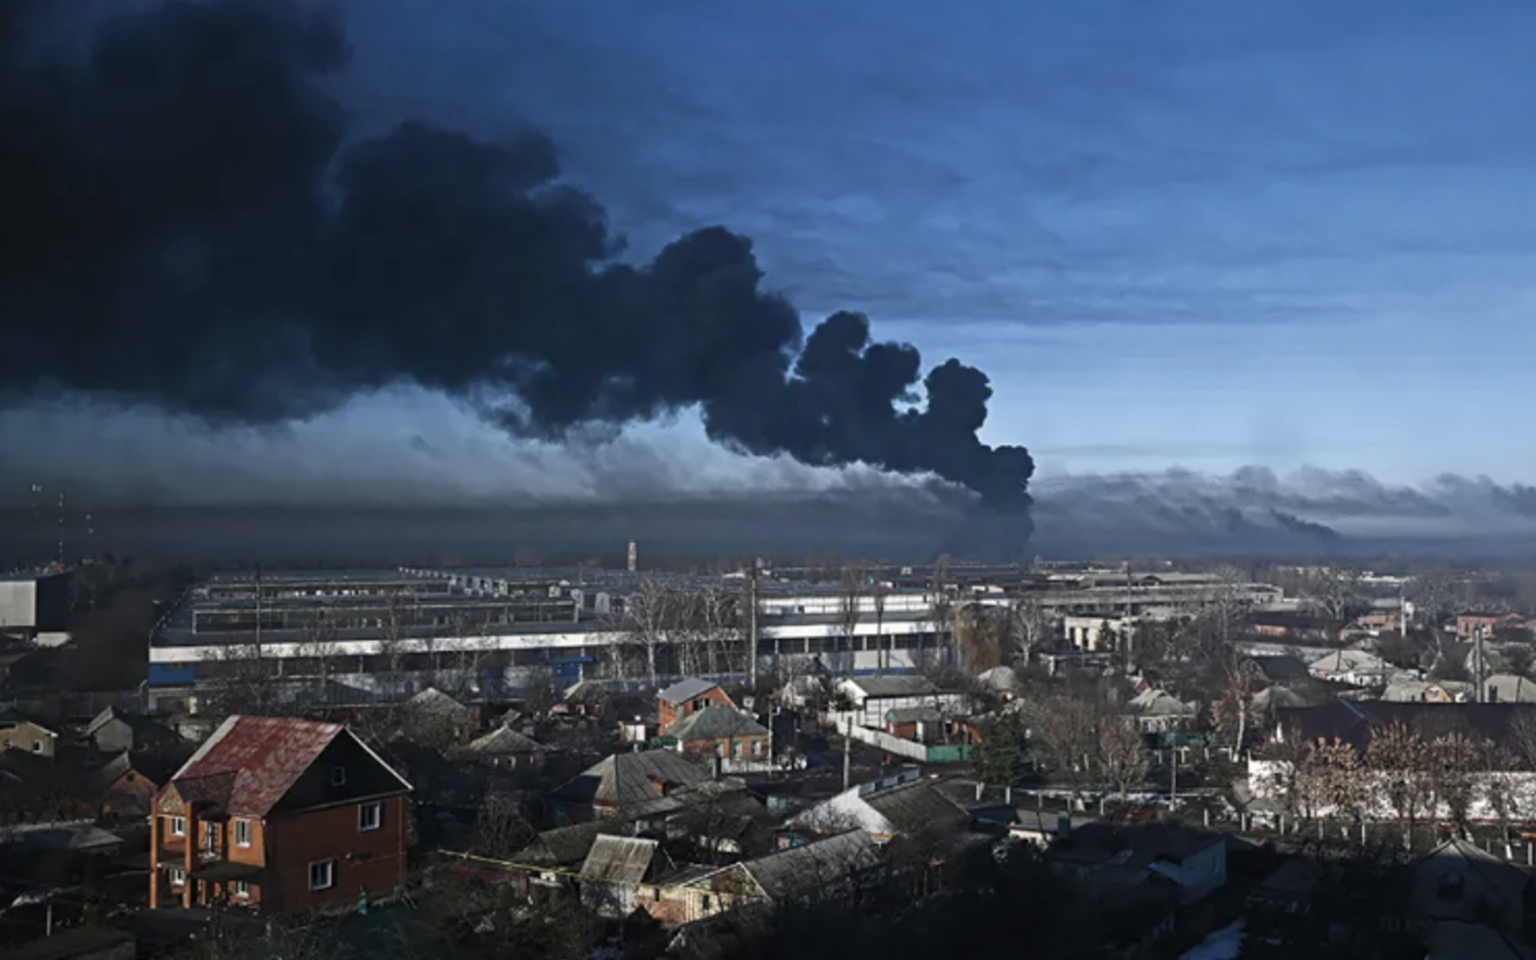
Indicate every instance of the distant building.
{"type": "Point", "coordinates": [505, 748]}
{"type": "Point", "coordinates": [28, 734]}
{"type": "Point", "coordinates": [625, 782]}
{"type": "Point", "coordinates": [873, 697]}
{"type": "Point", "coordinates": [282, 815]}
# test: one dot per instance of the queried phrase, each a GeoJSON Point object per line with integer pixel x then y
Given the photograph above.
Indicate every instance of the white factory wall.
{"type": "Point", "coordinates": [18, 604]}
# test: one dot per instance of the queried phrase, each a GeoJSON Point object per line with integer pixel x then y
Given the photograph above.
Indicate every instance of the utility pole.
{"type": "Point", "coordinates": [847, 752]}
{"type": "Point", "coordinates": [258, 609]}
{"type": "Point", "coordinates": [1477, 664]}
{"type": "Point", "coordinates": [1173, 780]}
{"type": "Point", "coordinates": [752, 571]}
{"type": "Point", "coordinates": [60, 557]}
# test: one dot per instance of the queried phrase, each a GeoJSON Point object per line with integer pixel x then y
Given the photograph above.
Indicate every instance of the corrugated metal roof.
{"type": "Point", "coordinates": [565, 845]}
{"type": "Point", "coordinates": [685, 690]}
{"type": "Point", "coordinates": [249, 763]}
{"type": "Point", "coordinates": [619, 859]}
{"type": "Point", "coordinates": [809, 870]}
{"type": "Point", "coordinates": [716, 723]}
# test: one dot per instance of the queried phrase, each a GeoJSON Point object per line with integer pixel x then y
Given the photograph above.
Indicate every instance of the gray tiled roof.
{"type": "Point", "coordinates": [625, 779]}
{"type": "Point", "coordinates": [922, 714]}
{"type": "Point", "coordinates": [503, 740]}
{"type": "Point", "coordinates": [716, 723]}
{"type": "Point", "coordinates": [685, 690]}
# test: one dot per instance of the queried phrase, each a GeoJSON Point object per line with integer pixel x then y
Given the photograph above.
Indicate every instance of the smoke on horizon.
{"type": "Point", "coordinates": [189, 229]}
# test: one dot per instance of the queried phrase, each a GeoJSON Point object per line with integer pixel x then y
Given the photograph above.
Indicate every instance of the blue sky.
{"type": "Point", "coordinates": [1275, 232]}
{"type": "Point", "coordinates": [1209, 233]}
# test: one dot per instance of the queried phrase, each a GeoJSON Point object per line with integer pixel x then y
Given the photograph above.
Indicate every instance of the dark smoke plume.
{"type": "Point", "coordinates": [184, 228]}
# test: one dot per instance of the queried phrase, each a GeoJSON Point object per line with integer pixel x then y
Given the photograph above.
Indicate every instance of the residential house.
{"type": "Point", "coordinates": [1296, 625]}
{"type": "Point", "coordinates": [1409, 690]}
{"type": "Point", "coordinates": [505, 749]}
{"type": "Point", "coordinates": [923, 724]}
{"type": "Point", "coordinates": [434, 717]}
{"type": "Point", "coordinates": [1040, 829]}
{"type": "Point", "coordinates": [873, 697]}
{"type": "Point", "coordinates": [904, 805]}
{"type": "Point", "coordinates": [282, 814]}
{"type": "Point", "coordinates": [1157, 711]}
{"type": "Point", "coordinates": [721, 732]}
{"type": "Point", "coordinates": [1464, 902]}
{"type": "Point", "coordinates": [818, 872]}
{"type": "Point", "coordinates": [129, 782]}
{"type": "Point", "coordinates": [35, 788]}
{"type": "Point", "coordinates": [688, 696]}
{"type": "Point", "coordinates": [1108, 860]}
{"type": "Point", "coordinates": [618, 784]}
{"type": "Point", "coordinates": [1509, 688]}
{"type": "Point", "coordinates": [1376, 621]}
{"type": "Point", "coordinates": [28, 734]}
{"type": "Point", "coordinates": [1098, 633]}
{"type": "Point", "coordinates": [115, 731]}
{"type": "Point", "coordinates": [1002, 680]}
{"type": "Point", "coordinates": [615, 872]}
{"type": "Point", "coordinates": [1468, 624]}
{"type": "Point", "coordinates": [1357, 667]}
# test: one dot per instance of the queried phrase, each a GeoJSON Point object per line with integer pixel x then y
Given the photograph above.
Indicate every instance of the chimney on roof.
{"type": "Point", "coordinates": [634, 556]}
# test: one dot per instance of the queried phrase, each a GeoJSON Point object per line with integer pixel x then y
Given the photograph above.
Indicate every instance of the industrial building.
{"type": "Point", "coordinates": [34, 605]}
{"type": "Point", "coordinates": [369, 635]}
{"type": "Point", "coordinates": [363, 636]}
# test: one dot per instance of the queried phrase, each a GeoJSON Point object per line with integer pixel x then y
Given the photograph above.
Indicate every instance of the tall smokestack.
{"type": "Point", "coordinates": [634, 556]}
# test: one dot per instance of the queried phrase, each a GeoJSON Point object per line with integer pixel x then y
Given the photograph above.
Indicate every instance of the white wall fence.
{"type": "Point", "coordinates": [1514, 791]}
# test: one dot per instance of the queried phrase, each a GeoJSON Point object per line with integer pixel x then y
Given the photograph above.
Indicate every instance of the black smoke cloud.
{"type": "Point", "coordinates": [1311, 512]}
{"type": "Point", "coordinates": [186, 227]}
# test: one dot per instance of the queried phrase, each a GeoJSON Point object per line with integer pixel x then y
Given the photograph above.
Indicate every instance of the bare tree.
{"type": "Point", "coordinates": [1399, 762]}
{"type": "Point", "coordinates": [1065, 726]}
{"type": "Point", "coordinates": [1433, 593]}
{"type": "Point", "coordinates": [648, 614]}
{"type": "Point", "coordinates": [979, 638]}
{"type": "Point", "coordinates": [1281, 777]}
{"type": "Point", "coordinates": [849, 605]}
{"type": "Point", "coordinates": [1331, 779]}
{"type": "Point", "coordinates": [1334, 591]}
{"type": "Point", "coordinates": [501, 829]}
{"type": "Point", "coordinates": [1456, 761]}
{"type": "Point", "coordinates": [1029, 626]}
{"type": "Point", "coordinates": [877, 595]}
{"type": "Point", "coordinates": [1123, 756]}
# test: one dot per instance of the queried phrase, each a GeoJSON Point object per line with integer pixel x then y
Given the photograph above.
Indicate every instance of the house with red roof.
{"type": "Point", "coordinates": [279, 815]}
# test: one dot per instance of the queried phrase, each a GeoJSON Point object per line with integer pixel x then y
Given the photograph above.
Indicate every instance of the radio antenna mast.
{"type": "Point", "coordinates": [60, 558]}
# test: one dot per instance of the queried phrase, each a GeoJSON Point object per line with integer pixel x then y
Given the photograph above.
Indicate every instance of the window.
{"type": "Point", "coordinates": [370, 816]}
{"type": "Point", "coordinates": [240, 889]}
{"type": "Point", "coordinates": [322, 875]}
{"type": "Point", "coordinates": [210, 836]}
{"type": "Point", "coordinates": [37, 746]}
{"type": "Point", "coordinates": [339, 776]}
{"type": "Point", "coordinates": [178, 876]}
{"type": "Point", "coordinates": [178, 826]}
{"type": "Point", "coordinates": [242, 833]}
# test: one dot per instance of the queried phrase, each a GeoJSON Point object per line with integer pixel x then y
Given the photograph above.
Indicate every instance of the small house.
{"type": "Point", "coordinates": [902, 805]}
{"type": "Point", "coordinates": [505, 749]}
{"type": "Point", "coordinates": [615, 870]}
{"type": "Point", "coordinates": [686, 697]}
{"type": "Point", "coordinates": [28, 734]}
{"type": "Point", "coordinates": [721, 732]}
{"type": "Point", "coordinates": [282, 814]}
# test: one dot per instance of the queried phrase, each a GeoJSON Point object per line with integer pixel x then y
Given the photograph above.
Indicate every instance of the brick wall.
{"type": "Point", "coordinates": [669, 713]}
{"type": "Point", "coordinates": [372, 860]}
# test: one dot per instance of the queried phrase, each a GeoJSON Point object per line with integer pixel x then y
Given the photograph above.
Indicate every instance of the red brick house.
{"type": "Point", "coordinates": [281, 814]}
{"type": "Point", "coordinates": [687, 697]}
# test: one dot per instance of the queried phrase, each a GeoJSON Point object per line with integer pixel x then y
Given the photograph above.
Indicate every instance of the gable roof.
{"type": "Point", "coordinates": [716, 723]}
{"type": "Point", "coordinates": [896, 685]}
{"type": "Point", "coordinates": [1354, 721]}
{"type": "Point", "coordinates": [503, 740]}
{"type": "Point", "coordinates": [615, 859]}
{"type": "Point", "coordinates": [912, 807]}
{"type": "Point", "coordinates": [1503, 882]}
{"type": "Point", "coordinates": [565, 845]}
{"type": "Point", "coordinates": [807, 870]}
{"type": "Point", "coordinates": [685, 690]}
{"type": "Point", "coordinates": [626, 779]}
{"type": "Point", "coordinates": [249, 763]}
